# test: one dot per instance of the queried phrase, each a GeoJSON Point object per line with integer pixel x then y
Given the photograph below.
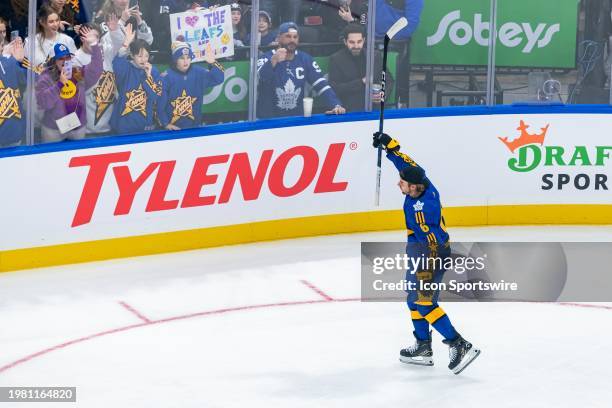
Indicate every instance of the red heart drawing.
{"type": "Point", "coordinates": [192, 20]}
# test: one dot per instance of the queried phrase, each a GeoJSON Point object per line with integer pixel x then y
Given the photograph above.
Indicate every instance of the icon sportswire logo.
{"type": "Point", "coordinates": [530, 153]}
{"type": "Point", "coordinates": [510, 34]}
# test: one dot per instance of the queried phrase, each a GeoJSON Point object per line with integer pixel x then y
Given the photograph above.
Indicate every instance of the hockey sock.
{"type": "Point", "coordinates": [434, 315]}
{"type": "Point", "coordinates": [421, 326]}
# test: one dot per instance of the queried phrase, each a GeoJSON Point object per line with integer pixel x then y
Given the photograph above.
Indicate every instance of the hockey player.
{"type": "Point", "coordinates": [284, 72]}
{"type": "Point", "coordinates": [138, 85]}
{"type": "Point", "coordinates": [12, 80]}
{"type": "Point", "coordinates": [102, 95]}
{"type": "Point", "coordinates": [183, 87]}
{"type": "Point", "coordinates": [427, 238]}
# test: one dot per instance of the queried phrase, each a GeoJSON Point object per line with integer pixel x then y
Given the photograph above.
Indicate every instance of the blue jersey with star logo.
{"type": "Point", "coordinates": [181, 101]}
{"type": "Point", "coordinates": [138, 93]}
{"type": "Point", "coordinates": [281, 87]}
{"type": "Point", "coordinates": [424, 219]}
{"type": "Point", "coordinates": [12, 120]}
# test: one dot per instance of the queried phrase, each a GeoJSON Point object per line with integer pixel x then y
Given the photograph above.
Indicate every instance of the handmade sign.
{"type": "Point", "coordinates": [202, 27]}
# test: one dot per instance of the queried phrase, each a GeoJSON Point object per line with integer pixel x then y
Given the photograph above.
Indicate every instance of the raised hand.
{"type": "Point", "coordinates": [17, 50]}
{"type": "Point", "coordinates": [129, 35]}
{"type": "Point", "coordinates": [345, 14]}
{"type": "Point", "coordinates": [89, 36]}
{"type": "Point", "coordinates": [209, 54]}
{"type": "Point", "coordinates": [112, 22]}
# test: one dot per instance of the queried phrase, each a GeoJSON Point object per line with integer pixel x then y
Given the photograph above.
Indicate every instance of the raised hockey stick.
{"type": "Point", "coordinates": [395, 28]}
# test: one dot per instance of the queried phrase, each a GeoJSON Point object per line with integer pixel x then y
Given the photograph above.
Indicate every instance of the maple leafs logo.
{"type": "Point", "coordinates": [288, 96]}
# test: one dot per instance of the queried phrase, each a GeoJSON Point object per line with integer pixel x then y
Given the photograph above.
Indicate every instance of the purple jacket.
{"type": "Point", "coordinates": [48, 92]}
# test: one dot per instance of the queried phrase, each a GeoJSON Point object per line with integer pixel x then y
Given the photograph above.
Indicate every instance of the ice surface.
{"type": "Point", "coordinates": [253, 326]}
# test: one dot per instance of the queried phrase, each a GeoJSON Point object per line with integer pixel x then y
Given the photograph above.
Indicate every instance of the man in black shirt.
{"type": "Point", "coordinates": [347, 71]}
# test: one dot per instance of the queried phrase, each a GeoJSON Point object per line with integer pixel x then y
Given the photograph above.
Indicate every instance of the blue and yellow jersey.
{"type": "Point", "coordinates": [424, 219]}
{"type": "Point", "coordinates": [138, 94]}
{"type": "Point", "coordinates": [12, 119]}
{"type": "Point", "coordinates": [180, 103]}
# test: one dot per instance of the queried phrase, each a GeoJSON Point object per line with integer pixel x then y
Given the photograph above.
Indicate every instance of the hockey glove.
{"type": "Point", "coordinates": [384, 140]}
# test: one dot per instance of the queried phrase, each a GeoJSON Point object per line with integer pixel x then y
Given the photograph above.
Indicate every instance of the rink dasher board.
{"type": "Point", "coordinates": [158, 196]}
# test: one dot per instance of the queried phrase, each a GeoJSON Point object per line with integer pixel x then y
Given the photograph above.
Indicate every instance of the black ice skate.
{"type": "Point", "coordinates": [419, 353]}
{"type": "Point", "coordinates": [461, 353]}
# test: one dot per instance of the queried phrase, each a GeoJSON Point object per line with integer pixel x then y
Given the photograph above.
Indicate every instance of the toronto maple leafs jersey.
{"type": "Point", "coordinates": [281, 88]}
{"type": "Point", "coordinates": [181, 100]}
{"type": "Point", "coordinates": [424, 219]}
{"type": "Point", "coordinates": [12, 120]}
{"type": "Point", "coordinates": [138, 94]}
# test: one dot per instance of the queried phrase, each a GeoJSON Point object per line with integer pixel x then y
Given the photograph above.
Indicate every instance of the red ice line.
{"type": "Point", "coordinates": [583, 305]}
{"type": "Point", "coordinates": [319, 291]}
{"type": "Point", "coordinates": [147, 322]}
{"type": "Point", "coordinates": [135, 312]}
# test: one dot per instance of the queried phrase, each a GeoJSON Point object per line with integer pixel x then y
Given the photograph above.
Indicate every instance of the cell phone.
{"type": "Point", "coordinates": [67, 69]}
{"type": "Point", "coordinates": [14, 35]}
{"type": "Point", "coordinates": [133, 3]}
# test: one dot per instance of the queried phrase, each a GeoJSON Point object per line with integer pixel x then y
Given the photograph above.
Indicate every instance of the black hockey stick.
{"type": "Point", "coordinates": [395, 28]}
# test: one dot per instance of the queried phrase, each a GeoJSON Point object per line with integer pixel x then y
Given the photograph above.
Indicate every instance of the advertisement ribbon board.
{"type": "Point", "coordinates": [529, 34]}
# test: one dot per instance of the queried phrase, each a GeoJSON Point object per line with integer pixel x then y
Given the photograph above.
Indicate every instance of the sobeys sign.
{"type": "Point", "coordinates": [529, 33]}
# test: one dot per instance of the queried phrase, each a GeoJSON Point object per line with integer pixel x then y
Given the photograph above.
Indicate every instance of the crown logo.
{"type": "Point", "coordinates": [525, 138]}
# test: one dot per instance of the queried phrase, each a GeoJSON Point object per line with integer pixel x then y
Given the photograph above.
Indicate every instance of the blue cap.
{"type": "Point", "coordinates": [285, 27]}
{"type": "Point", "coordinates": [60, 51]}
